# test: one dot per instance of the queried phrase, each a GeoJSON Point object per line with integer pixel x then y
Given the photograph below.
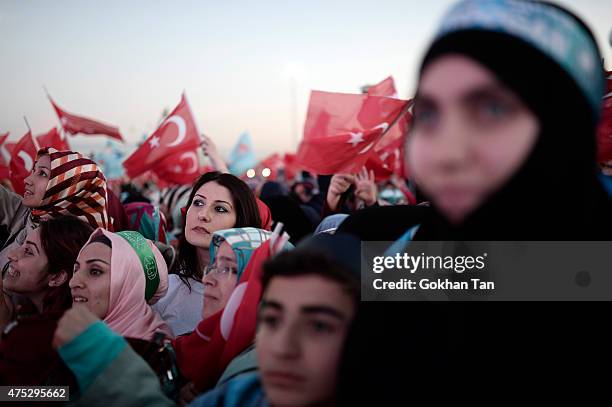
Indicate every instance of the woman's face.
{"type": "Point", "coordinates": [90, 283]}
{"type": "Point", "coordinates": [220, 280]}
{"type": "Point", "coordinates": [27, 270]}
{"type": "Point", "coordinates": [470, 135]}
{"type": "Point", "coordinates": [36, 182]}
{"type": "Point", "coordinates": [212, 209]}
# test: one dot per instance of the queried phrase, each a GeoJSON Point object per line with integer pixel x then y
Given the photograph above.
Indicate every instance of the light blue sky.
{"type": "Point", "coordinates": [125, 61]}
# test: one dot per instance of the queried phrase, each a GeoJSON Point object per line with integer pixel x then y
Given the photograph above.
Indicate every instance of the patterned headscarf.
{"type": "Point", "coordinates": [76, 187]}
{"type": "Point", "coordinates": [243, 242]}
{"type": "Point", "coordinates": [552, 31]}
{"type": "Point", "coordinates": [138, 278]}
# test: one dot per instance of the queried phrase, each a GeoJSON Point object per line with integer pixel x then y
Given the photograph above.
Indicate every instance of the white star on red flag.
{"type": "Point", "coordinates": [154, 142]}
{"type": "Point", "coordinates": [356, 138]}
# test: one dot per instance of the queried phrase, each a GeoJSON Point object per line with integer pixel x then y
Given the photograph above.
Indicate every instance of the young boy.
{"type": "Point", "coordinates": [308, 306]}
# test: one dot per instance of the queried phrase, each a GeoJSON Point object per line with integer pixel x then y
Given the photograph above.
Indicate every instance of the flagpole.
{"type": "Point", "coordinates": [31, 135]}
{"type": "Point", "coordinates": [27, 124]}
{"type": "Point", "coordinates": [63, 132]}
{"type": "Point", "coordinates": [192, 115]}
{"type": "Point", "coordinates": [402, 113]}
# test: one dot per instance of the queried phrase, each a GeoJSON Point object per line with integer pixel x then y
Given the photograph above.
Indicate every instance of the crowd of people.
{"type": "Point", "coordinates": [230, 292]}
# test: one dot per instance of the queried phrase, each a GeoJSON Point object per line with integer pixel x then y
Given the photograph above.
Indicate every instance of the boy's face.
{"type": "Point", "coordinates": [303, 325]}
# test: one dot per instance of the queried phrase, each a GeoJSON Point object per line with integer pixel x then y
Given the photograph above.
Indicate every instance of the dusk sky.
{"type": "Point", "coordinates": [123, 62]}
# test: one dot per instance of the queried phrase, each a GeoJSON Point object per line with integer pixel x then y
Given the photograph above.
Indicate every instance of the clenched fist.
{"type": "Point", "coordinates": [74, 322]}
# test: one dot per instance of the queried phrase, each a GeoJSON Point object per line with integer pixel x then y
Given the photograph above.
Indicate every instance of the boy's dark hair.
{"type": "Point", "coordinates": [307, 261]}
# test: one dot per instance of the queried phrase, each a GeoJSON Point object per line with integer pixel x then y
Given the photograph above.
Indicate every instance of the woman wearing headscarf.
{"type": "Point", "coordinates": [200, 355]}
{"type": "Point", "coordinates": [225, 333]}
{"type": "Point", "coordinates": [118, 276]}
{"type": "Point", "coordinates": [537, 120]}
{"type": "Point", "coordinates": [508, 100]}
{"type": "Point", "coordinates": [61, 182]}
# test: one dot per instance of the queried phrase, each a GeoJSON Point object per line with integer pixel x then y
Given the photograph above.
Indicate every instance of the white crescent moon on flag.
{"type": "Point", "coordinates": [191, 155]}
{"type": "Point", "coordinates": [180, 124]}
{"type": "Point", "coordinates": [369, 146]}
{"type": "Point", "coordinates": [27, 160]}
{"type": "Point", "coordinates": [383, 126]}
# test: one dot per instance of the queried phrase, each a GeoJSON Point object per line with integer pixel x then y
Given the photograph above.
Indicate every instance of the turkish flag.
{"type": "Point", "coordinates": [388, 157]}
{"type": "Point", "coordinates": [4, 169]}
{"type": "Point", "coordinates": [342, 129]}
{"type": "Point", "coordinates": [22, 161]}
{"type": "Point", "coordinates": [177, 133]}
{"type": "Point", "coordinates": [73, 124]}
{"type": "Point", "coordinates": [384, 88]}
{"type": "Point", "coordinates": [10, 146]}
{"type": "Point", "coordinates": [204, 354]}
{"type": "Point", "coordinates": [179, 168]}
{"type": "Point", "coordinates": [380, 167]}
{"type": "Point", "coordinates": [53, 139]}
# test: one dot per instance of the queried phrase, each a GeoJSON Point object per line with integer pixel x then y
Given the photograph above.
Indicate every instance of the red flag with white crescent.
{"type": "Point", "coordinates": [177, 133]}
{"type": "Point", "coordinates": [342, 129]}
{"type": "Point", "coordinates": [10, 146]}
{"type": "Point", "coordinates": [179, 168]}
{"type": "Point", "coordinates": [22, 161]}
{"type": "Point", "coordinates": [389, 151]}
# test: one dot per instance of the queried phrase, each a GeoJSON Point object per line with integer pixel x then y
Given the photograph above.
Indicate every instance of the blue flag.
{"type": "Point", "coordinates": [242, 157]}
{"type": "Point", "coordinates": [110, 160]}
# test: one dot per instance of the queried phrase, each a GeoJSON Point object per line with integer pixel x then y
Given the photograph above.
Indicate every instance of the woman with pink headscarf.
{"type": "Point", "coordinates": [117, 276]}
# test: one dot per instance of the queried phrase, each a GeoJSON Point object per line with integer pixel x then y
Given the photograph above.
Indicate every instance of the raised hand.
{"type": "Point", "coordinates": [365, 187]}
{"type": "Point", "coordinates": [210, 150]}
{"type": "Point", "coordinates": [339, 184]}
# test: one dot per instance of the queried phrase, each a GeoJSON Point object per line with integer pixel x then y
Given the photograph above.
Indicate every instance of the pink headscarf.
{"type": "Point", "coordinates": [129, 314]}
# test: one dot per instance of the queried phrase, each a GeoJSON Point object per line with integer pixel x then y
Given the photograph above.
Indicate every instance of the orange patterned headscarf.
{"type": "Point", "coordinates": [76, 187]}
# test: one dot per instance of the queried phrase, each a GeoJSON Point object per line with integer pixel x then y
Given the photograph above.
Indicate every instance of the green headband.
{"type": "Point", "coordinates": [147, 259]}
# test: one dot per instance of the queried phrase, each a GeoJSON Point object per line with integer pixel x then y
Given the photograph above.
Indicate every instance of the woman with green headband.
{"type": "Point", "coordinates": [88, 346]}
{"type": "Point", "coordinates": [116, 277]}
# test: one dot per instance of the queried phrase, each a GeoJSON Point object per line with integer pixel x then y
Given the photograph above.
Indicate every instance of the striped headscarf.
{"type": "Point", "coordinates": [76, 187]}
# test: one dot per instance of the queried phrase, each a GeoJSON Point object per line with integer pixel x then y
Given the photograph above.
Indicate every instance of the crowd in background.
{"type": "Point", "coordinates": [246, 291]}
